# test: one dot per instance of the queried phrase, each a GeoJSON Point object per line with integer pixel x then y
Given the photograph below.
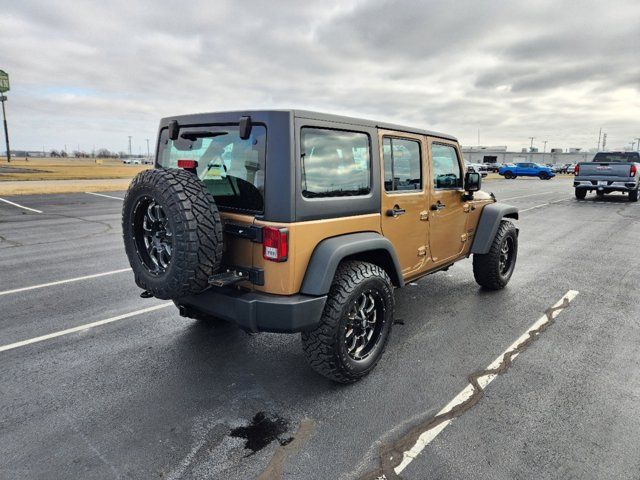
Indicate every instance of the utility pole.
{"type": "Point", "coordinates": [4, 87]}
{"type": "Point", "coordinates": [544, 150]}
{"type": "Point", "coordinates": [6, 129]}
{"type": "Point", "coordinates": [129, 145]}
{"type": "Point", "coordinates": [148, 152]}
{"type": "Point", "coordinates": [638, 139]}
{"type": "Point", "coordinates": [599, 137]}
{"type": "Point", "coordinates": [604, 141]}
{"type": "Point", "coordinates": [532, 139]}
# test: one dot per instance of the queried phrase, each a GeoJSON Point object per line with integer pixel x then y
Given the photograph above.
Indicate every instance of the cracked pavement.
{"type": "Point", "coordinates": [157, 395]}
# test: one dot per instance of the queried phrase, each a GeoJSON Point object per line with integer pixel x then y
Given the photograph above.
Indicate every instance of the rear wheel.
{"type": "Point", "coordinates": [581, 193]}
{"type": "Point", "coordinates": [633, 196]}
{"type": "Point", "coordinates": [493, 270]}
{"type": "Point", "coordinates": [355, 326]}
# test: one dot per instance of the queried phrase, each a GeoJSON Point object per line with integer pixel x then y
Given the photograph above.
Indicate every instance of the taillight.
{"type": "Point", "coordinates": [187, 164]}
{"type": "Point", "coordinates": [576, 170]}
{"type": "Point", "coordinates": [632, 172]}
{"type": "Point", "coordinates": [275, 244]}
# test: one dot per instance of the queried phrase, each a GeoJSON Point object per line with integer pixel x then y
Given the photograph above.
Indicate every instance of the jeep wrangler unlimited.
{"type": "Point", "coordinates": [295, 221]}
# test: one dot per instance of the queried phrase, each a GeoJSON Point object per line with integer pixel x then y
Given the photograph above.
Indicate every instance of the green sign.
{"type": "Point", "coordinates": [4, 81]}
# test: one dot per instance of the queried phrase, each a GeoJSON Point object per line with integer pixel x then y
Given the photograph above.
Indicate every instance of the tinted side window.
{"type": "Point", "coordinates": [446, 168]}
{"type": "Point", "coordinates": [402, 164]}
{"type": "Point", "coordinates": [335, 163]}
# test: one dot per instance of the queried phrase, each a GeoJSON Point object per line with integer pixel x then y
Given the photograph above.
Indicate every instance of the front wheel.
{"type": "Point", "coordinates": [509, 175]}
{"type": "Point", "coordinates": [355, 325]}
{"type": "Point", "coordinates": [493, 270]}
{"type": "Point", "coordinates": [543, 176]}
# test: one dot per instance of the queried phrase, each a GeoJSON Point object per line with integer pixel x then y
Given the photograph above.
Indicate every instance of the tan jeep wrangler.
{"type": "Point", "coordinates": [295, 221]}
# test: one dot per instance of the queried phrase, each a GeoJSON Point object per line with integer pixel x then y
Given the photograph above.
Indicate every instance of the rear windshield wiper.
{"type": "Point", "coordinates": [202, 134]}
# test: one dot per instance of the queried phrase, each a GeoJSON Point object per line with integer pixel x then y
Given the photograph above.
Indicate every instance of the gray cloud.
{"type": "Point", "coordinates": [95, 72]}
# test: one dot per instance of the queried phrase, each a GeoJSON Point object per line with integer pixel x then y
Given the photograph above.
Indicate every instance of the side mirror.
{"type": "Point", "coordinates": [245, 127]}
{"type": "Point", "coordinates": [472, 181]}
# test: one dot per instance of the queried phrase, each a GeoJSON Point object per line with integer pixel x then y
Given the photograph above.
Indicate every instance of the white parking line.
{"type": "Point", "coordinates": [427, 437]}
{"type": "Point", "coordinates": [105, 196]}
{"type": "Point", "coordinates": [60, 282]}
{"type": "Point", "coordinates": [20, 206]}
{"type": "Point", "coordinates": [544, 204]}
{"type": "Point", "coordinates": [80, 328]}
{"type": "Point", "coordinates": [525, 196]}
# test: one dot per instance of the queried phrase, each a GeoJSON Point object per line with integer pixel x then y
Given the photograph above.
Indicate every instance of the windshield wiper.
{"type": "Point", "coordinates": [203, 134]}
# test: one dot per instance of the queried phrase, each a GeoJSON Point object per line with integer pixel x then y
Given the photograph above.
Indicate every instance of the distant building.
{"type": "Point", "coordinates": [24, 153]}
{"type": "Point", "coordinates": [502, 155]}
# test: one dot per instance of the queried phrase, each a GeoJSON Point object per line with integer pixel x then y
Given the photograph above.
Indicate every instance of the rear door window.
{"type": "Point", "coordinates": [335, 163]}
{"type": "Point", "coordinates": [402, 164]}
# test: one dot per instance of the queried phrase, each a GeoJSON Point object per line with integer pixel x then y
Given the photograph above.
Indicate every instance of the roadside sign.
{"type": "Point", "coordinates": [4, 81]}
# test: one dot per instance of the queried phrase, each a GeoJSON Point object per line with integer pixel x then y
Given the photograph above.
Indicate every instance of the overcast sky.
{"type": "Point", "coordinates": [92, 73]}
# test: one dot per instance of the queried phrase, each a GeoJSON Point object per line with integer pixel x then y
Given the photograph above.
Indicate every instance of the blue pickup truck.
{"type": "Point", "coordinates": [526, 170]}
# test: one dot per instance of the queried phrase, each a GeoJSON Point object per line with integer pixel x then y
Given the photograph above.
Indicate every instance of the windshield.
{"type": "Point", "coordinates": [617, 157]}
{"type": "Point", "coordinates": [231, 168]}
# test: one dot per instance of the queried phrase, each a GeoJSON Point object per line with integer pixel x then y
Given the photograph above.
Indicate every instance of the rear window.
{"type": "Point", "coordinates": [231, 168]}
{"type": "Point", "coordinates": [617, 157]}
{"type": "Point", "coordinates": [335, 163]}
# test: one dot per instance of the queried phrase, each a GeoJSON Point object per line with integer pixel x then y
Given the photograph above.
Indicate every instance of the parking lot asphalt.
{"type": "Point", "coordinates": [154, 395]}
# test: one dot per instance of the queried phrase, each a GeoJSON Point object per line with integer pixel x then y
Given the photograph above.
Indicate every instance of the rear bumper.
{"type": "Point", "coordinates": [257, 312]}
{"type": "Point", "coordinates": [617, 185]}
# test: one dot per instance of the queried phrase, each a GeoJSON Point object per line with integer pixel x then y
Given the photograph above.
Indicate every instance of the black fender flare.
{"type": "Point", "coordinates": [488, 224]}
{"type": "Point", "coordinates": [330, 252]}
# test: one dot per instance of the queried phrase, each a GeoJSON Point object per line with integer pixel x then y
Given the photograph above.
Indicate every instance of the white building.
{"type": "Point", "coordinates": [502, 155]}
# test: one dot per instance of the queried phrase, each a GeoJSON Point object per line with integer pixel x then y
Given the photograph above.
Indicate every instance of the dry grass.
{"type": "Point", "coordinates": [68, 169]}
{"type": "Point", "coordinates": [39, 187]}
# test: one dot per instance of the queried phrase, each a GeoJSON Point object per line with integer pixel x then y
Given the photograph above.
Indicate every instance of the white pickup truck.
{"type": "Point", "coordinates": [609, 172]}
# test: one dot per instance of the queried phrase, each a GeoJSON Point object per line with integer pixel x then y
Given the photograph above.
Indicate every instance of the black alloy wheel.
{"type": "Point", "coordinates": [365, 322]}
{"type": "Point", "coordinates": [507, 251]}
{"type": "Point", "coordinates": [152, 234]}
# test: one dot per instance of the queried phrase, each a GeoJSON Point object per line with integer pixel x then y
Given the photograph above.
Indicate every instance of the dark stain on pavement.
{"type": "Point", "coordinates": [262, 430]}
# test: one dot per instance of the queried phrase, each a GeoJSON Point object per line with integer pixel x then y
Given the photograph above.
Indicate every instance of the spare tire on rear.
{"type": "Point", "coordinates": [172, 232]}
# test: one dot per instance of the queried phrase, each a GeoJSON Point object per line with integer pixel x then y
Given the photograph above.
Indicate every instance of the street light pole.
{"type": "Point", "coordinates": [599, 138]}
{"type": "Point", "coordinates": [6, 129]}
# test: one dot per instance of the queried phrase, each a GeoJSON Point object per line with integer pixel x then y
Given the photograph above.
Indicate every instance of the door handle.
{"type": "Point", "coordinates": [438, 205]}
{"type": "Point", "coordinates": [396, 211]}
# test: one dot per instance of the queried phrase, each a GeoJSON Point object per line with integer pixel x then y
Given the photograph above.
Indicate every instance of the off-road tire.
{"type": "Point", "coordinates": [324, 347]}
{"type": "Point", "coordinates": [194, 220]}
{"type": "Point", "coordinates": [633, 195]}
{"type": "Point", "coordinates": [581, 193]}
{"type": "Point", "coordinates": [486, 267]}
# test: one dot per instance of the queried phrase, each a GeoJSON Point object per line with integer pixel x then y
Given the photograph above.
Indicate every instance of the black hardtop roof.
{"type": "Point", "coordinates": [325, 117]}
